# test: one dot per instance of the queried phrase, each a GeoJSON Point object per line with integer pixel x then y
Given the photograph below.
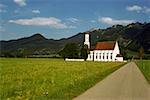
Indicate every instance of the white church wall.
{"type": "Point", "coordinates": [90, 56]}
{"type": "Point", "coordinates": [107, 56]}
{"type": "Point", "coordinates": [119, 58]}
{"type": "Point", "coordinates": [67, 59]}
{"type": "Point", "coordinates": [110, 53]}
{"type": "Point", "coordinates": [116, 51]}
{"type": "Point", "coordinates": [102, 55]}
{"type": "Point", "coordinates": [95, 55]}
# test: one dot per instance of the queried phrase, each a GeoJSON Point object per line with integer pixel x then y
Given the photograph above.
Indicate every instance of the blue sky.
{"type": "Point", "coordinates": [63, 18]}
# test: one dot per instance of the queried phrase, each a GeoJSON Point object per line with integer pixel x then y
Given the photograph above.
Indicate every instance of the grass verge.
{"type": "Point", "coordinates": [144, 66]}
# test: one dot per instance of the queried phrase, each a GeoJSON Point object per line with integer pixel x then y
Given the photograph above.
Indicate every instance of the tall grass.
{"type": "Point", "coordinates": [144, 66]}
{"type": "Point", "coordinates": [38, 79]}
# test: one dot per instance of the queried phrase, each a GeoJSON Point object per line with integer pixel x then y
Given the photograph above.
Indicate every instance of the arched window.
{"type": "Point", "coordinates": [99, 55]}
{"type": "Point", "coordinates": [96, 55]}
{"type": "Point", "coordinates": [103, 55]}
{"type": "Point", "coordinates": [107, 55]}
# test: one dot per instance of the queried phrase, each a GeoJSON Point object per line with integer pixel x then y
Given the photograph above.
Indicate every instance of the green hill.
{"type": "Point", "coordinates": [130, 37]}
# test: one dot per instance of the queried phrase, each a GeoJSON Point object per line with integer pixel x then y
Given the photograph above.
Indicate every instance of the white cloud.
{"type": "Point", "coordinates": [138, 9]}
{"type": "Point", "coordinates": [134, 8]}
{"type": "Point", "coordinates": [36, 11]}
{"type": "Point", "coordinates": [20, 2]}
{"type": "Point", "coordinates": [110, 21]}
{"type": "Point", "coordinates": [73, 20]}
{"type": "Point", "coordinates": [42, 21]}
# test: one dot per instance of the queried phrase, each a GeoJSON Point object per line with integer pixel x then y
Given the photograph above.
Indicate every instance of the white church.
{"type": "Point", "coordinates": [103, 51]}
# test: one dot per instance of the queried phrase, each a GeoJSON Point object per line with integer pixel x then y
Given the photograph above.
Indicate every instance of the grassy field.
{"type": "Point", "coordinates": [40, 79]}
{"type": "Point", "coordinates": [144, 66]}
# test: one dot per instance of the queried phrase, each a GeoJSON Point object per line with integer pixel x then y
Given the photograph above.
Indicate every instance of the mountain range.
{"type": "Point", "coordinates": [130, 37]}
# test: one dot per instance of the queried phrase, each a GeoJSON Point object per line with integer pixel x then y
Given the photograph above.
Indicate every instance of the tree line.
{"type": "Point", "coordinates": [73, 51]}
{"type": "Point", "coordinates": [70, 50]}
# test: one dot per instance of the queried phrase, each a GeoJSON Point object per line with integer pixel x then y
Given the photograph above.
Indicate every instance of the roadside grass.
{"type": "Point", "coordinates": [144, 66]}
{"type": "Point", "coordinates": [55, 79]}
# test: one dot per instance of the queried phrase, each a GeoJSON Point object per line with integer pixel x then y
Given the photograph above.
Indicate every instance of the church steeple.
{"type": "Point", "coordinates": [87, 40]}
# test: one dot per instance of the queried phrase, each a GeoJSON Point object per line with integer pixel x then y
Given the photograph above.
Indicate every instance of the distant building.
{"type": "Point", "coordinates": [103, 51]}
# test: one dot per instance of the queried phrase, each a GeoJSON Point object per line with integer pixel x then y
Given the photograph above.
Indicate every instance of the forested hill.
{"type": "Point", "coordinates": [130, 37]}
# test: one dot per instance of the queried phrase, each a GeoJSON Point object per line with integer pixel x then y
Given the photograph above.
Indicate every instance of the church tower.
{"type": "Point", "coordinates": [87, 40]}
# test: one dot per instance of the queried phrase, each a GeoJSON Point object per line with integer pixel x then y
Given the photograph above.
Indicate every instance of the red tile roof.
{"type": "Point", "coordinates": [108, 45]}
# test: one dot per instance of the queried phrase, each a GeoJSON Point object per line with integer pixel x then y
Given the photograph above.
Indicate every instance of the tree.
{"type": "Point", "coordinates": [141, 53]}
{"type": "Point", "coordinates": [71, 50]}
{"type": "Point", "coordinates": [124, 53]}
{"type": "Point", "coordinates": [84, 52]}
{"type": "Point", "coordinates": [21, 52]}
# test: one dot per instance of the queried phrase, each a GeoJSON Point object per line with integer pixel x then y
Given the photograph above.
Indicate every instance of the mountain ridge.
{"type": "Point", "coordinates": [130, 37]}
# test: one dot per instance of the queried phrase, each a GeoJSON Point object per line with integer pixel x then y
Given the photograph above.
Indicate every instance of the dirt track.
{"type": "Point", "coordinates": [127, 83]}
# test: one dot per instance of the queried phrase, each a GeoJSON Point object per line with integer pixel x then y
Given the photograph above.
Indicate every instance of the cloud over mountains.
{"type": "Point", "coordinates": [41, 21]}
{"type": "Point", "coordinates": [138, 9]}
{"type": "Point", "coordinates": [111, 21]}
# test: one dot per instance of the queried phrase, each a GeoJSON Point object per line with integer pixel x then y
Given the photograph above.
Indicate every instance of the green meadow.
{"type": "Point", "coordinates": [144, 66]}
{"type": "Point", "coordinates": [52, 79]}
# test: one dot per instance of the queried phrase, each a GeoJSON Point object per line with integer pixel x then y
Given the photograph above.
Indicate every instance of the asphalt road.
{"type": "Point", "coordinates": [127, 83]}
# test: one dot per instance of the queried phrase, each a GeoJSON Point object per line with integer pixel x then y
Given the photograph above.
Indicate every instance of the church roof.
{"type": "Point", "coordinates": [108, 45]}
